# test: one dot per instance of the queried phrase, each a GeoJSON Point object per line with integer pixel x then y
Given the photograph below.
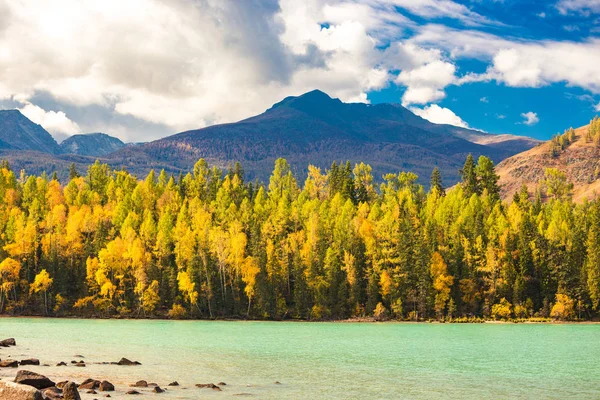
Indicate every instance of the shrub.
{"type": "Point", "coordinates": [177, 312]}
{"type": "Point", "coordinates": [563, 309]}
{"type": "Point", "coordinates": [380, 313]}
{"type": "Point", "coordinates": [502, 310]}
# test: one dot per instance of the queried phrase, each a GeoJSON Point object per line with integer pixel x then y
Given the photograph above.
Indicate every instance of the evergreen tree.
{"type": "Point", "coordinates": [469, 177]}
{"type": "Point", "coordinates": [435, 182]}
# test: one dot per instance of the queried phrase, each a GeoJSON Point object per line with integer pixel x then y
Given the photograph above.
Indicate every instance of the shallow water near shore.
{"type": "Point", "coordinates": [318, 360]}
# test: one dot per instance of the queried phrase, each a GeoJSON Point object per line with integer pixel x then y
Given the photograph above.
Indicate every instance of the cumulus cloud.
{"type": "Point", "coordinates": [54, 122]}
{"type": "Point", "coordinates": [597, 107]}
{"type": "Point", "coordinates": [426, 83]}
{"type": "Point", "coordinates": [439, 115]}
{"type": "Point", "coordinates": [531, 118]}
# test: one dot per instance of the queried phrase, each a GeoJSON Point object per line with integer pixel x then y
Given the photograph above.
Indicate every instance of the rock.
{"type": "Point", "coordinates": [91, 391]}
{"type": "Point", "coordinates": [80, 364]}
{"type": "Point", "coordinates": [133, 392]}
{"type": "Point", "coordinates": [61, 364]}
{"type": "Point", "coordinates": [61, 384]}
{"type": "Point", "coordinates": [14, 391]}
{"type": "Point", "coordinates": [30, 361]}
{"type": "Point", "coordinates": [277, 383]}
{"type": "Point", "coordinates": [70, 391]}
{"type": "Point", "coordinates": [89, 384]}
{"type": "Point", "coordinates": [221, 384]}
{"type": "Point", "coordinates": [9, 364]}
{"type": "Point", "coordinates": [78, 356]}
{"type": "Point", "coordinates": [107, 395]}
{"type": "Point", "coordinates": [174, 383]}
{"type": "Point", "coordinates": [157, 389]}
{"type": "Point", "coordinates": [140, 384]}
{"type": "Point", "coordinates": [208, 386]}
{"type": "Point", "coordinates": [74, 362]}
{"type": "Point", "coordinates": [124, 361]}
{"type": "Point", "coordinates": [106, 386]}
{"type": "Point", "coordinates": [8, 342]}
{"type": "Point", "coordinates": [52, 393]}
{"type": "Point", "coordinates": [32, 379]}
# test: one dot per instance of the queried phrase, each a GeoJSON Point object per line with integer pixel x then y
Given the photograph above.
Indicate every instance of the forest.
{"type": "Point", "coordinates": [340, 245]}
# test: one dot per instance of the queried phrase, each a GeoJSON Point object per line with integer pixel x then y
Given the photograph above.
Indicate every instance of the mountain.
{"type": "Point", "coordinates": [579, 160]}
{"type": "Point", "coordinates": [315, 129]}
{"type": "Point", "coordinates": [17, 132]}
{"type": "Point", "coordinates": [91, 144]}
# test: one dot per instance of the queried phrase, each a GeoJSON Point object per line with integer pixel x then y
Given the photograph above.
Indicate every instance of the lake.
{"type": "Point", "coordinates": [319, 360]}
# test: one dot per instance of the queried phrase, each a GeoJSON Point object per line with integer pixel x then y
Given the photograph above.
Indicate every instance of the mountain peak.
{"type": "Point", "coordinates": [91, 144]}
{"type": "Point", "coordinates": [17, 132]}
{"type": "Point", "coordinates": [309, 101]}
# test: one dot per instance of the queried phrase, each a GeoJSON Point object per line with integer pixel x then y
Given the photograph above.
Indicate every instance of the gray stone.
{"type": "Point", "coordinates": [14, 391]}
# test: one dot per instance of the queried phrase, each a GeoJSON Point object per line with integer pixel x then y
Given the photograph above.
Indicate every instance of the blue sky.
{"type": "Point", "coordinates": [145, 69]}
{"type": "Point", "coordinates": [496, 107]}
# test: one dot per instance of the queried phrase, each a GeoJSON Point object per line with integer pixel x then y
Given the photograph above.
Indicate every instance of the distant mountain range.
{"type": "Point", "coordinates": [309, 129]}
{"type": "Point", "coordinates": [91, 144]}
{"type": "Point", "coordinates": [316, 129]}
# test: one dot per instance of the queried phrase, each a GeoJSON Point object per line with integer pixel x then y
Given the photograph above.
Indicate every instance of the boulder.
{"type": "Point", "coordinates": [124, 361]}
{"type": "Point", "coordinates": [208, 386]}
{"type": "Point", "coordinates": [80, 364]}
{"type": "Point", "coordinates": [157, 389]}
{"type": "Point", "coordinates": [140, 384]}
{"type": "Point", "coordinates": [221, 384]}
{"type": "Point", "coordinates": [52, 393]}
{"type": "Point", "coordinates": [133, 392]}
{"type": "Point", "coordinates": [174, 383]}
{"type": "Point", "coordinates": [14, 391]}
{"type": "Point", "coordinates": [33, 379]}
{"type": "Point", "coordinates": [9, 364]}
{"type": "Point", "coordinates": [91, 391]}
{"type": "Point", "coordinates": [70, 391]}
{"type": "Point", "coordinates": [61, 364]}
{"type": "Point", "coordinates": [30, 361]}
{"type": "Point", "coordinates": [106, 386]}
{"type": "Point", "coordinates": [89, 384]}
{"type": "Point", "coordinates": [8, 342]}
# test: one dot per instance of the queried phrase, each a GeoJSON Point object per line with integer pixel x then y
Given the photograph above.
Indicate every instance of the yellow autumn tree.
{"type": "Point", "coordinates": [442, 282]}
{"type": "Point", "coordinates": [188, 288]}
{"type": "Point", "coordinates": [42, 283]}
{"type": "Point", "coordinates": [9, 276]}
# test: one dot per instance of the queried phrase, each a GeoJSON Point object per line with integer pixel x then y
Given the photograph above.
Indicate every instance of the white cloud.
{"type": "Point", "coordinates": [531, 118]}
{"type": "Point", "coordinates": [425, 84]}
{"type": "Point", "coordinates": [54, 122]}
{"type": "Point", "coordinates": [578, 6]}
{"type": "Point", "coordinates": [597, 107]}
{"type": "Point", "coordinates": [484, 100]}
{"type": "Point", "coordinates": [519, 63]}
{"type": "Point", "coordinates": [439, 115]}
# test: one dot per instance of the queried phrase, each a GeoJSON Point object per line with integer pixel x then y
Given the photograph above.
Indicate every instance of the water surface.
{"type": "Point", "coordinates": [320, 360]}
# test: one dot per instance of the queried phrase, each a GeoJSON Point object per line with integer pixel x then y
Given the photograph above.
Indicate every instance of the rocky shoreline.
{"type": "Point", "coordinates": [29, 385]}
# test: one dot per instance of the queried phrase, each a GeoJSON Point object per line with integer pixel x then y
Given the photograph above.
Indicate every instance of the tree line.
{"type": "Point", "coordinates": [208, 244]}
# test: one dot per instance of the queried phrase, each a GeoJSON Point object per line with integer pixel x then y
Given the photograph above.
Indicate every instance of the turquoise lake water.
{"type": "Point", "coordinates": [319, 360]}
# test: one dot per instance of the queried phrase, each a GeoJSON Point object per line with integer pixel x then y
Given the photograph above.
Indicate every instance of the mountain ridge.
{"type": "Point", "coordinates": [314, 128]}
{"type": "Point", "coordinates": [91, 144]}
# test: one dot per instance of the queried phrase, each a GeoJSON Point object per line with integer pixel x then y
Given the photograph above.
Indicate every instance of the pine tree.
{"type": "Point", "coordinates": [469, 177]}
{"type": "Point", "coordinates": [435, 183]}
{"type": "Point", "coordinates": [73, 172]}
